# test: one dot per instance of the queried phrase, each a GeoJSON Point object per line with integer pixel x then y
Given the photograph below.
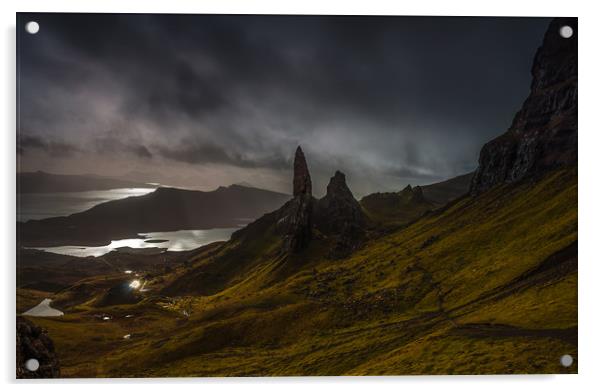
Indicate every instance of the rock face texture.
{"type": "Point", "coordinates": [33, 343]}
{"type": "Point", "coordinates": [543, 134]}
{"type": "Point", "coordinates": [296, 215]}
{"type": "Point", "coordinates": [339, 214]}
{"type": "Point", "coordinates": [301, 178]}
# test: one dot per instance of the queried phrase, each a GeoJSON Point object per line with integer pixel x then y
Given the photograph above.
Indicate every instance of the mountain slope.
{"type": "Point", "coordinates": [397, 207]}
{"type": "Point", "coordinates": [165, 209]}
{"type": "Point", "coordinates": [42, 182]}
{"type": "Point", "coordinates": [474, 281]}
{"type": "Point", "coordinates": [391, 209]}
{"type": "Point", "coordinates": [486, 284]}
{"type": "Point", "coordinates": [445, 191]}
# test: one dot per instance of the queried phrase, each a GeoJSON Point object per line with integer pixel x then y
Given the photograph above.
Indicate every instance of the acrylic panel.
{"type": "Point", "coordinates": [295, 195]}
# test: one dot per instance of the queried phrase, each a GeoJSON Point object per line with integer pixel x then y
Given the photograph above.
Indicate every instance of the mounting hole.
{"type": "Point", "coordinates": [566, 360]}
{"type": "Point", "coordinates": [32, 27]}
{"type": "Point", "coordinates": [566, 31]}
{"type": "Point", "coordinates": [32, 364]}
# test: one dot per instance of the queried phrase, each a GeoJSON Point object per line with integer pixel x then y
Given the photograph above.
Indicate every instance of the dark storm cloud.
{"type": "Point", "coordinates": [194, 152]}
{"type": "Point", "coordinates": [408, 99]}
{"type": "Point", "coordinates": [27, 143]}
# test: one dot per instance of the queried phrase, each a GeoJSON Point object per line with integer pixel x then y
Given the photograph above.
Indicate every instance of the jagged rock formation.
{"type": "Point", "coordinates": [296, 215]}
{"type": "Point", "coordinates": [397, 208]}
{"type": "Point", "coordinates": [543, 134]}
{"type": "Point", "coordinates": [339, 214]}
{"type": "Point", "coordinates": [33, 343]}
{"type": "Point", "coordinates": [414, 195]}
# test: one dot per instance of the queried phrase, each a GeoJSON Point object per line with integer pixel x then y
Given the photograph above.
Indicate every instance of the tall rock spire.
{"type": "Point", "coordinates": [301, 179]}
{"type": "Point", "coordinates": [296, 222]}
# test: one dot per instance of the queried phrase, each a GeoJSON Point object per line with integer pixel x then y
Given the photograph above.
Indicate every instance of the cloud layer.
{"type": "Point", "coordinates": [207, 100]}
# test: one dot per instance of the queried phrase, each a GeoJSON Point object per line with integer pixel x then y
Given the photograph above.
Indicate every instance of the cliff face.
{"type": "Point", "coordinates": [338, 214]}
{"type": "Point", "coordinates": [543, 134]}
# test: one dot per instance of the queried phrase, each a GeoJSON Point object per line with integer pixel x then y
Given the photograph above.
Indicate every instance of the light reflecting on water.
{"type": "Point", "coordinates": [180, 240]}
{"type": "Point", "coordinates": [43, 309]}
{"type": "Point", "coordinates": [48, 205]}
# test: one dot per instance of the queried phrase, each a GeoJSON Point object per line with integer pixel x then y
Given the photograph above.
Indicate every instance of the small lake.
{"type": "Point", "coordinates": [49, 205]}
{"type": "Point", "coordinates": [43, 309]}
{"type": "Point", "coordinates": [180, 240]}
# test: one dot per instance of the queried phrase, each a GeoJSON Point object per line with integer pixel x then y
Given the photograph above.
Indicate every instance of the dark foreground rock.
{"type": "Point", "coordinates": [34, 343]}
{"type": "Point", "coordinates": [543, 135]}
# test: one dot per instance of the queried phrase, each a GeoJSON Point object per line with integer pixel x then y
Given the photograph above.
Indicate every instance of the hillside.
{"type": "Point", "coordinates": [473, 289]}
{"type": "Point", "coordinates": [397, 207]}
{"type": "Point", "coordinates": [445, 191]}
{"type": "Point", "coordinates": [165, 209]}
{"type": "Point", "coordinates": [42, 182]}
{"type": "Point", "coordinates": [486, 284]}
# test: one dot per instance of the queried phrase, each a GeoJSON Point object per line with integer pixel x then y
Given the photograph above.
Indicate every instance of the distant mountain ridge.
{"type": "Point", "coordinates": [43, 182]}
{"type": "Point", "coordinates": [165, 209]}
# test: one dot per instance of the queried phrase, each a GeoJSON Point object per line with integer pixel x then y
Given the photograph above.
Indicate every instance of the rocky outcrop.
{"type": "Point", "coordinates": [397, 208]}
{"type": "Point", "coordinates": [295, 220]}
{"type": "Point", "coordinates": [34, 343]}
{"type": "Point", "coordinates": [338, 214]}
{"type": "Point", "coordinates": [412, 195]}
{"type": "Point", "coordinates": [543, 135]}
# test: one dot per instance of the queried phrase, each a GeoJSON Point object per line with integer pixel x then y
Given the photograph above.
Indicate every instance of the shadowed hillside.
{"type": "Point", "coordinates": [445, 191]}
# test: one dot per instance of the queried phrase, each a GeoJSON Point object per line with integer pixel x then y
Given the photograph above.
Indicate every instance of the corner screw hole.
{"type": "Point", "coordinates": [32, 27]}
{"type": "Point", "coordinates": [32, 364]}
{"type": "Point", "coordinates": [566, 360]}
{"type": "Point", "coordinates": [566, 31]}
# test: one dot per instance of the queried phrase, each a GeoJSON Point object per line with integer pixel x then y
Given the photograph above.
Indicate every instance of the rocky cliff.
{"type": "Point", "coordinates": [338, 214]}
{"type": "Point", "coordinates": [543, 134]}
{"type": "Point", "coordinates": [296, 215]}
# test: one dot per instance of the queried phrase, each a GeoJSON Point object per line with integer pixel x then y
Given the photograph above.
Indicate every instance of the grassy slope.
{"type": "Point", "coordinates": [461, 291]}
{"type": "Point", "coordinates": [395, 209]}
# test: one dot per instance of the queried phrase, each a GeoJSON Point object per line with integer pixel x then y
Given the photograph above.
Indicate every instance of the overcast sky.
{"type": "Point", "coordinates": [206, 100]}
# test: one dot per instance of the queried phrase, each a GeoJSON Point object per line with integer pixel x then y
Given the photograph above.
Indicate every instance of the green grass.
{"type": "Point", "coordinates": [399, 305]}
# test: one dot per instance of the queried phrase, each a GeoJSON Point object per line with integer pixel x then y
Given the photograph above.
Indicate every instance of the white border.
{"type": "Point", "coordinates": [590, 178]}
